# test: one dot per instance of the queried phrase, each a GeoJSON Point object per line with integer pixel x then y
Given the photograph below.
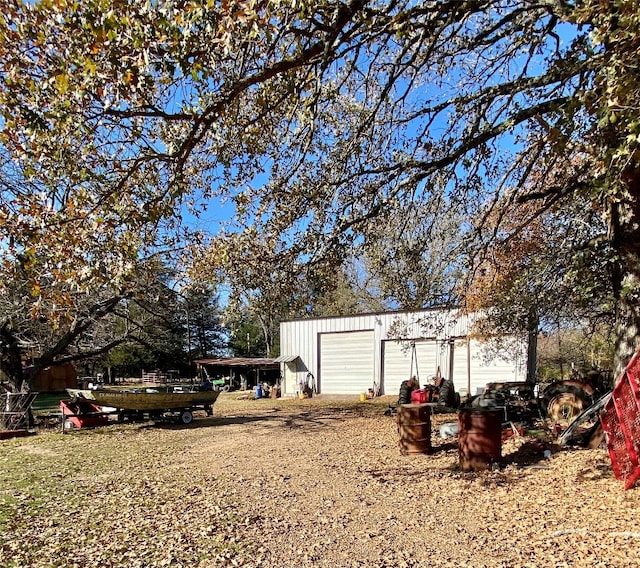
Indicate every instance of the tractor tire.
{"type": "Point", "coordinates": [562, 402]}
{"type": "Point", "coordinates": [589, 420]}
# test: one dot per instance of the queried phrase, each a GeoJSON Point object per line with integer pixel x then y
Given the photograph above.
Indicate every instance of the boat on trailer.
{"type": "Point", "coordinates": [176, 401]}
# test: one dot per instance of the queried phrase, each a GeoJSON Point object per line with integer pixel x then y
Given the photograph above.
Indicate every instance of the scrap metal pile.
{"type": "Point", "coordinates": [580, 412]}
{"type": "Point", "coordinates": [554, 406]}
{"type": "Point", "coordinates": [14, 413]}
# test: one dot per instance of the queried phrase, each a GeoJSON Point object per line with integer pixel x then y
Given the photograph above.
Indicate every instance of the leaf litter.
{"type": "Point", "coordinates": [302, 483]}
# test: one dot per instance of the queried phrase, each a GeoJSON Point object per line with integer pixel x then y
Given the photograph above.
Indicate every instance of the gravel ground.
{"type": "Point", "coordinates": [275, 483]}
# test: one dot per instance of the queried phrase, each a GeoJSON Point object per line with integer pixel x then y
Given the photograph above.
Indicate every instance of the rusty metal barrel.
{"type": "Point", "coordinates": [479, 438]}
{"type": "Point", "coordinates": [414, 428]}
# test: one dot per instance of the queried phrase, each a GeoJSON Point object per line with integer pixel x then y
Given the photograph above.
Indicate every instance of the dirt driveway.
{"type": "Point", "coordinates": [285, 484]}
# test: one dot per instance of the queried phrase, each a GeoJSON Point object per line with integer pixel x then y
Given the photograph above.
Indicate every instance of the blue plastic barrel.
{"type": "Point", "coordinates": [258, 391]}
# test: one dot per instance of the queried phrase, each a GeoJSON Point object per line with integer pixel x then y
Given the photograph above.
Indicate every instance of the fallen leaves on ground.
{"type": "Point", "coordinates": [284, 483]}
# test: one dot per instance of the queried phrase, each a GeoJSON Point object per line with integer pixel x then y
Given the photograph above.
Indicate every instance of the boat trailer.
{"type": "Point", "coordinates": [78, 412]}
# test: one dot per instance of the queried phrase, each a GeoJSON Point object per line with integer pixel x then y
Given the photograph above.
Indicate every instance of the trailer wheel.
{"type": "Point", "coordinates": [186, 417]}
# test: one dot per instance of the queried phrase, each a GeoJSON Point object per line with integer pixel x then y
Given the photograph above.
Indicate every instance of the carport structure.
{"type": "Point", "coordinates": [240, 372]}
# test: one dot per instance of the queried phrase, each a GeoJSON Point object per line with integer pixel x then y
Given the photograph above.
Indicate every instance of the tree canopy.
{"type": "Point", "coordinates": [319, 121]}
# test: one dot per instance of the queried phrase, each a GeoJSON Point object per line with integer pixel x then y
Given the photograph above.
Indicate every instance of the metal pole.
{"type": "Point", "coordinates": [186, 306]}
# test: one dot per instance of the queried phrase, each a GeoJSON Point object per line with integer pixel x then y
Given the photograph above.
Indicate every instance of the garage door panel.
{"type": "Point", "coordinates": [398, 365]}
{"type": "Point", "coordinates": [346, 362]}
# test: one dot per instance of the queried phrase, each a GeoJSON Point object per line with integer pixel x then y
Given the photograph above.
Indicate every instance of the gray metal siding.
{"type": "Point", "coordinates": [302, 338]}
{"type": "Point", "coordinates": [488, 366]}
{"type": "Point", "coordinates": [460, 372]}
{"type": "Point", "coordinates": [400, 362]}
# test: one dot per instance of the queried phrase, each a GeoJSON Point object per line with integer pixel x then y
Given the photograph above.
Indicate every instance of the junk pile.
{"type": "Point", "coordinates": [571, 412]}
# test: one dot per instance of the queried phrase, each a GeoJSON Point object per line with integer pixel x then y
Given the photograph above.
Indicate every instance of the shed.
{"type": "Point", "coordinates": [352, 354]}
{"type": "Point", "coordinates": [55, 378]}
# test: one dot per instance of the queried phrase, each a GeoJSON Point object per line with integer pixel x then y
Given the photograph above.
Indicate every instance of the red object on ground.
{"type": "Point", "coordinates": [83, 413]}
{"type": "Point", "coordinates": [509, 432]}
{"type": "Point", "coordinates": [479, 438]}
{"type": "Point", "coordinates": [419, 396]}
{"type": "Point", "coordinates": [621, 424]}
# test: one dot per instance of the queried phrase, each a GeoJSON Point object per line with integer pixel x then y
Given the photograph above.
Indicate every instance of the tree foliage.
{"type": "Point", "coordinates": [167, 330]}
{"type": "Point", "coordinates": [319, 121]}
{"type": "Point", "coordinates": [545, 267]}
{"type": "Point", "coordinates": [351, 289]}
{"type": "Point", "coordinates": [539, 276]}
{"type": "Point", "coordinates": [569, 351]}
{"type": "Point", "coordinates": [87, 326]}
{"type": "Point", "coordinates": [247, 337]}
{"type": "Point", "coordinates": [202, 316]}
{"type": "Point", "coordinates": [417, 256]}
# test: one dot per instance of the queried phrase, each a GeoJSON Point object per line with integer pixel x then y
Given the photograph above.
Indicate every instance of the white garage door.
{"type": "Point", "coordinates": [397, 362]}
{"type": "Point", "coordinates": [460, 374]}
{"type": "Point", "coordinates": [346, 362]}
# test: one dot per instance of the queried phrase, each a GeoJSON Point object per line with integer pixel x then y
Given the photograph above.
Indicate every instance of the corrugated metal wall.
{"type": "Point", "coordinates": [303, 338]}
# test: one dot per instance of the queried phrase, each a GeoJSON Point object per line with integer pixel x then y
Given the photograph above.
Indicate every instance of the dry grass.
{"type": "Point", "coordinates": [302, 483]}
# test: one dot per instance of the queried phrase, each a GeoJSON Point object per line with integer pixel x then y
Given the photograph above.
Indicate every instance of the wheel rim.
{"type": "Point", "coordinates": [564, 407]}
{"type": "Point", "coordinates": [186, 417]}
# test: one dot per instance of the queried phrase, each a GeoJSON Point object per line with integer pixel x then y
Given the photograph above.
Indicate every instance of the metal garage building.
{"type": "Point", "coordinates": [352, 354]}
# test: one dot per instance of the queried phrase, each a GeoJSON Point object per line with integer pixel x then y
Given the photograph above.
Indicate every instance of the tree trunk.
{"type": "Point", "coordinates": [624, 232]}
{"type": "Point", "coordinates": [11, 356]}
{"type": "Point", "coordinates": [266, 335]}
{"type": "Point", "coordinates": [532, 346]}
